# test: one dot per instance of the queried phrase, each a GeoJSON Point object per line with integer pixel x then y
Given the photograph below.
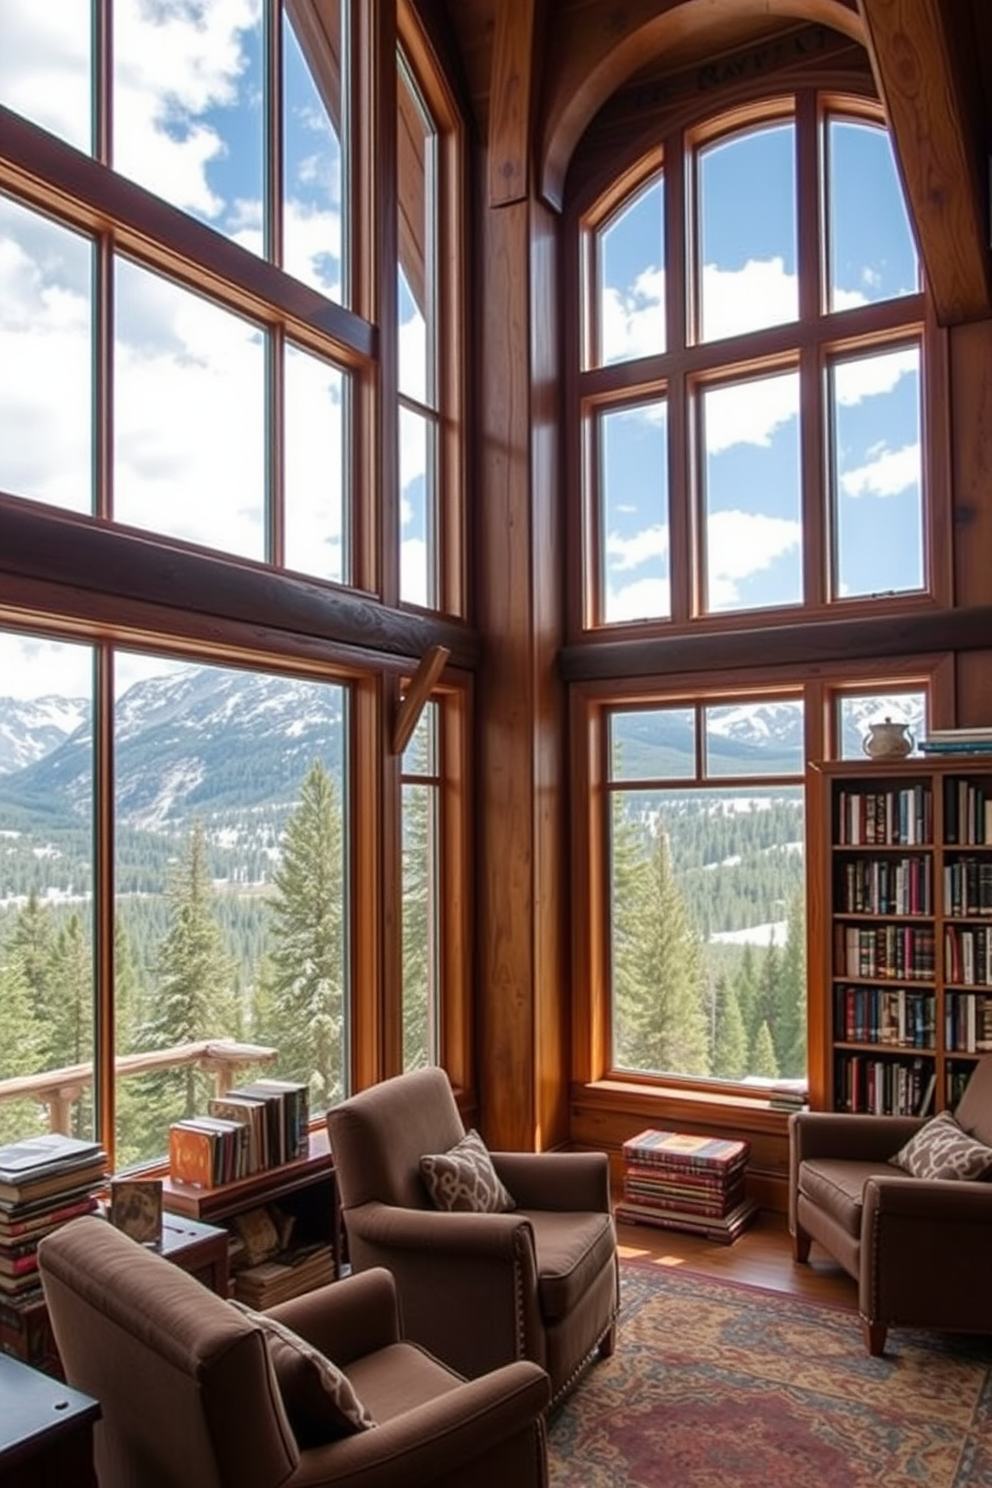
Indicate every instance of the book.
{"type": "Point", "coordinates": [16, 1210]}
{"type": "Point", "coordinates": [250, 1111]}
{"type": "Point", "coordinates": [296, 1105]}
{"type": "Point", "coordinates": [191, 1155]}
{"type": "Point", "coordinates": [686, 1150]}
{"type": "Point", "coordinates": [61, 1178]}
{"type": "Point", "coordinates": [46, 1218]}
{"type": "Point", "coordinates": [31, 1157]}
{"type": "Point", "coordinates": [722, 1231]}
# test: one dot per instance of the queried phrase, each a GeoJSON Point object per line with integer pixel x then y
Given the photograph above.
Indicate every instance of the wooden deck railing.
{"type": "Point", "coordinates": [59, 1089]}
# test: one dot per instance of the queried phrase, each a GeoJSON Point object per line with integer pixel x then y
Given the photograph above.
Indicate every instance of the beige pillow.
{"type": "Point", "coordinates": [464, 1179]}
{"type": "Point", "coordinates": [319, 1398]}
{"type": "Point", "coordinates": [942, 1149]}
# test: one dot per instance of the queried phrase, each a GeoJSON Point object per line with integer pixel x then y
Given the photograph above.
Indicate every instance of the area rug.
{"type": "Point", "coordinates": [719, 1385]}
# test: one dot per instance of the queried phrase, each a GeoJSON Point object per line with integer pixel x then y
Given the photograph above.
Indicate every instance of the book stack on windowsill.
{"type": "Point", "coordinates": [957, 741]}
{"type": "Point", "coordinates": [684, 1182]}
{"type": "Point", "coordinates": [44, 1181]}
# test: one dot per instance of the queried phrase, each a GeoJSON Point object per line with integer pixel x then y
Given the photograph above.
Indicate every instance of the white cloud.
{"type": "Point", "coordinates": [45, 65]}
{"type": "Point", "coordinates": [750, 412]}
{"type": "Point", "coordinates": [630, 552]}
{"type": "Point", "coordinates": [888, 473]}
{"type": "Point", "coordinates": [642, 600]}
{"type": "Point", "coordinates": [740, 545]}
{"type": "Point", "coordinates": [871, 376]}
{"type": "Point", "coordinates": [738, 300]}
{"type": "Point", "coordinates": [632, 322]}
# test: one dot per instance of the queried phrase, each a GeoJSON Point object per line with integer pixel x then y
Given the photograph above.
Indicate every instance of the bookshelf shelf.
{"type": "Point", "coordinates": [900, 931]}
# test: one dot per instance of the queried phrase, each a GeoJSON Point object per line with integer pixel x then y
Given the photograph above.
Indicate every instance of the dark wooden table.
{"type": "Point", "coordinates": [46, 1430]}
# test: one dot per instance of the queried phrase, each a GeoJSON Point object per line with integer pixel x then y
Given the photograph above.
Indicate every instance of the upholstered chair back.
{"type": "Point", "coordinates": [379, 1136]}
{"type": "Point", "coordinates": [974, 1110]}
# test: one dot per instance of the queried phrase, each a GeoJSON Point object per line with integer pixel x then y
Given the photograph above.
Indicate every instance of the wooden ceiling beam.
{"type": "Point", "coordinates": [511, 92]}
{"type": "Point", "coordinates": [919, 56]}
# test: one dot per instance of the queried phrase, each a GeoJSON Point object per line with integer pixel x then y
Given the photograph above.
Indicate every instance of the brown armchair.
{"type": "Point", "coordinates": [478, 1289]}
{"type": "Point", "coordinates": [189, 1394]}
{"type": "Point", "coordinates": [917, 1247]}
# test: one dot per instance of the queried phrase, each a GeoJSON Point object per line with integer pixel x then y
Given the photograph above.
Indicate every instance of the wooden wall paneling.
{"type": "Point", "coordinates": [970, 353]}
{"type": "Point", "coordinates": [928, 81]}
{"type": "Point", "coordinates": [510, 116]}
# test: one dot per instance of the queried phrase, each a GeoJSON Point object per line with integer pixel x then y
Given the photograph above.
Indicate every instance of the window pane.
{"type": "Point", "coordinates": [418, 584]}
{"type": "Point", "coordinates": [314, 479]}
{"type": "Point", "coordinates": [231, 850]}
{"type": "Point", "coordinates": [708, 933]}
{"type": "Point", "coordinates": [634, 560]}
{"type": "Point", "coordinates": [653, 744]}
{"type": "Point", "coordinates": [754, 739]}
{"type": "Point", "coordinates": [188, 122]}
{"type": "Point", "coordinates": [416, 213]}
{"type": "Point", "coordinates": [46, 882]}
{"type": "Point", "coordinates": [858, 711]}
{"type": "Point", "coordinates": [420, 931]}
{"type": "Point", "coordinates": [45, 65]}
{"type": "Point", "coordinates": [313, 197]}
{"type": "Point", "coordinates": [872, 254]}
{"type": "Point", "coordinates": [753, 500]}
{"type": "Point", "coordinates": [877, 473]}
{"type": "Point", "coordinates": [630, 254]}
{"type": "Point", "coordinates": [189, 409]}
{"type": "Point", "coordinates": [746, 268]}
{"type": "Point", "coordinates": [46, 375]}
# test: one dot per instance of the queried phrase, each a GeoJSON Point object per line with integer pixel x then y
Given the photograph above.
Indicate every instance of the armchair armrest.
{"type": "Point", "coordinates": [843, 1134]}
{"type": "Point", "coordinates": [564, 1181]}
{"type": "Point", "coordinates": [430, 1442]}
{"type": "Point", "coordinates": [940, 1200]}
{"type": "Point", "coordinates": [484, 1236]}
{"type": "Point", "coordinates": [346, 1319]}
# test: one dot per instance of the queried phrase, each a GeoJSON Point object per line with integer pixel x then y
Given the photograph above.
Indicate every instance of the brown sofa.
{"type": "Point", "coordinates": [190, 1398]}
{"type": "Point", "coordinates": [919, 1248]}
{"type": "Point", "coordinates": [478, 1289]}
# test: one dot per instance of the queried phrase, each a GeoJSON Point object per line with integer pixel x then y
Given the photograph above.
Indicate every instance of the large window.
{"type": "Point", "coordinates": [756, 343]}
{"type": "Point", "coordinates": [751, 384]}
{"type": "Point", "coordinates": [211, 860]}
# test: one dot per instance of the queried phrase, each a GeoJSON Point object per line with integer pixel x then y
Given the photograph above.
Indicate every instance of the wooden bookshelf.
{"type": "Point", "coordinates": [307, 1187]}
{"type": "Point", "coordinates": [900, 931]}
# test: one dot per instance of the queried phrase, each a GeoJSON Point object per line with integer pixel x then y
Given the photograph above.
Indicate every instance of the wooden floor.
{"type": "Point", "coordinates": [761, 1256]}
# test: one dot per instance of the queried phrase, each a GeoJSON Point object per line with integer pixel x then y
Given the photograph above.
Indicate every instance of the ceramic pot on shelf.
{"type": "Point", "coordinates": [888, 740]}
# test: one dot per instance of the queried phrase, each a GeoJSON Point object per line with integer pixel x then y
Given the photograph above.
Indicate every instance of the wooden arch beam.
{"type": "Point", "coordinates": [514, 57]}
{"type": "Point", "coordinates": [924, 71]}
{"type": "Point", "coordinates": [609, 44]}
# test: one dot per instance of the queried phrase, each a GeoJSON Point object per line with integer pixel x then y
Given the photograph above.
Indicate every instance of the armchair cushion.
{"type": "Point", "coordinates": [318, 1397]}
{"type": "Point", "coordinates": [572, 1250]}
{"type": "Point", "coordinates": [836, 1185]}
{"type": "Point", "coordinates": [941, 1149]}
{"type": "Point", "coordinates": [464, 1179]}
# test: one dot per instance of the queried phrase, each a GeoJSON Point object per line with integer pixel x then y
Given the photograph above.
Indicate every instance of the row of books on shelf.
{"type": "Point", "coordinates": [957, 741]}
{"type": "Point", "coordinates": [968, 886]}
{"type": "Point", "coordinates": [900, 1016]}
{"type": "Point", "coordinates": [889, 1086]}
{"type": "Point", "coordinates": [968, 1022]}
{"type": "Point", "coordinates": [45, 1180]}
{"type": "Point", "coordinates": [249, 1129]}
{"type": "Point", "coordinates": [967, 812]}
{"type": "Point", "coordinates": [886, 886]}
{"type": "Point", "coordinates": [899, 952]}
{"type": "Point", "coordinates": [968, 955]}
{"type": "Point", "coordinates": [897, 817]}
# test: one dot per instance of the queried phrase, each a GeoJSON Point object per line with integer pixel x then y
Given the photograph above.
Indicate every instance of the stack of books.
{"type": "Point", "coordinates": [684, 1182]}
{"type": "Point", "coordinates": [788, 1095]}
{"type": "Point", "coordinates": [258, 1126]}
{"type": "Point", "coordinates": [955, 741]}
{"type": "Point", "coordinates": [44, 1181]}
{"type": "Point", "coordinates": [288, 1274]}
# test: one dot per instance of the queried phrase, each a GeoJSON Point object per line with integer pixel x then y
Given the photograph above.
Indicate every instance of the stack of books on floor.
{"type": "Point", "coordinates": [288, 1274]}
{"type": "Point", "coordinates": [684, 1182]}
{"type": "Point", "coordinates": [44, 1181]}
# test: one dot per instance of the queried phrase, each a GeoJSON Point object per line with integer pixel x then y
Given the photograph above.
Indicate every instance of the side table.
{"type": "Point", "coordinates": [46, 1430]}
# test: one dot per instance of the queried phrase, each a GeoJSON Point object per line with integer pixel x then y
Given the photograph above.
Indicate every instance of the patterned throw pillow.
{"type": "Point", "coordinates": [319, 1398]}
{"type": "Point", "coordinates": [464, 1179]}
{"type": "Point", "coordinates": [941, 1149]}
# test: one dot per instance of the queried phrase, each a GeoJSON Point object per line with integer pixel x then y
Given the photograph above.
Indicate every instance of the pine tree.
{"type": "Point", "coordinates": [790, 1018]}
{"type": "Point", "coordinates": [192, 997]}
{"type": "Point", "coordinates": [21, 1045]}
{"type": "Point", "coordinates": [305, 996]}
{"type": "Point", "coordinates": [418, 936]}
{"type": "Point", "coordinates": [69, 1029]}
{"type": "Point", "coordinates": [659, 986]}
{"type": "Point", "coordinates": [32, 945]}
{"type": "Point", "coordinates": [763, 1061]}
{"type": "Point", "coordinates": [730, 1041]}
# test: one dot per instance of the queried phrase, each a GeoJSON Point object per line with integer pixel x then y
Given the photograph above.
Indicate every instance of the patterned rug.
{"type": "Point", "coordinates": [718, 1385]}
